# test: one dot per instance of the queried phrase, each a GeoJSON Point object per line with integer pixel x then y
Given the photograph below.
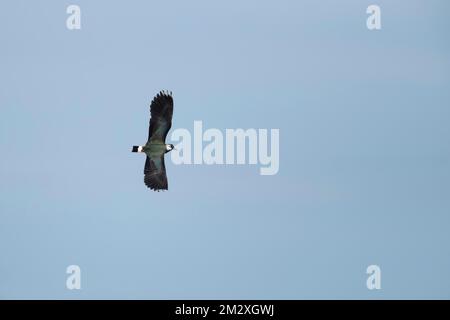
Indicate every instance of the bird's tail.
{"type": "Point", "coordinates": [137, 149]}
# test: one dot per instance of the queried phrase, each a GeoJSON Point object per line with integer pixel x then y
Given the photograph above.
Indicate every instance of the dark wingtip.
{"type": "Point", "coordinates": [165, 93]}
{"type": "Point", "coordinates": [135, 149]}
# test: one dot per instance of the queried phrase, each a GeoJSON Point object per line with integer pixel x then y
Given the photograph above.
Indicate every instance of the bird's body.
{"type": "Point", "coordinates": [161, 110]}
{"type": "Point", "coordinates": [153, 149]}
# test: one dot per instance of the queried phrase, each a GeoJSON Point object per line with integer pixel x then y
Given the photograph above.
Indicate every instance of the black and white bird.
{"type": "Point", "coordinates": [161, 110]}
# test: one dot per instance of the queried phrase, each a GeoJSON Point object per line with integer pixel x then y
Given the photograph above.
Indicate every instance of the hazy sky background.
{"type": "Point", "coordinates": [364, 162]}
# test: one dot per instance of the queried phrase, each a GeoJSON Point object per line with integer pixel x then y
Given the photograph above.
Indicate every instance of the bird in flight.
{"type": "Point", "coordinates": [161, 110]}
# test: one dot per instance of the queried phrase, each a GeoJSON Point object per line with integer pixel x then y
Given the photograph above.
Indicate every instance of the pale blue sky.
{"type": "Point", "coordinates": [364, 162]}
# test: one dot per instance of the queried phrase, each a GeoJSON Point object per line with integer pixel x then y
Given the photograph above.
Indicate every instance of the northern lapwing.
{"type": "Point", "coordinates": [161, 110]}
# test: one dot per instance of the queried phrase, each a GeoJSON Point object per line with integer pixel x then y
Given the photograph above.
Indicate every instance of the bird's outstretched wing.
{"type": "Point", "coordinates": [155, 173]}
{"type": "Point", "coordinates": [161, 110]}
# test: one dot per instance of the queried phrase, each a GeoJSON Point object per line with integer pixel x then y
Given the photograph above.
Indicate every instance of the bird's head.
{"type": "Point", "coordinates": [169, 147]}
